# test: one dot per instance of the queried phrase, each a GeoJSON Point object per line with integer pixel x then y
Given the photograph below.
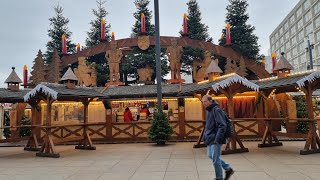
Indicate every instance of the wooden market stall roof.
{"type": "Point", "coordinates": [61, 92]}
{"type": "Point", "coordinates": [287, 84]}
{"type": "Point", "coordinates": [8, 96]}
{"type": "Point", "coordinates": [222, 82]}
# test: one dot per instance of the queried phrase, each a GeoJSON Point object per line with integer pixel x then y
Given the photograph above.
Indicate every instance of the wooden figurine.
{"type": "Point", "coordinates": [200, 68]}
{"type": "Point", "coordinates": [114, 57]}
{"type": "Point", "coordinates": [86, 74]}
{"type": "Point", "coordinates": [174, 53]}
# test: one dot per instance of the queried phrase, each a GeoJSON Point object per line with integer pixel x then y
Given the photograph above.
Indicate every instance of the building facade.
{"type": "Point", "coordinates": [291, 35]}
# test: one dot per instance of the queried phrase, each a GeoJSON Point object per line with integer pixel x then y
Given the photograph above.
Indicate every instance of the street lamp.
{"type": "Point", "coordinates": [309, 47]}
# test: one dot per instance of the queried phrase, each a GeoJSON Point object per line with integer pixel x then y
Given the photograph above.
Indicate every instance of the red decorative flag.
{"type": "Point", "coordinates": [64, 44]}
{"type": "Point", "coordinates": [103, 29]}
{"type": "Point", "coordinates": [185, 24]}
{"type": "Point", "coordinates": [143, 23]}
{"type": "Point", "coordinates": [228, 36]}
{"type": "Point", "coordinates": [25, 76]}
{"type": "Point", "coordinates": [112, 36]}
{"type": "Point", "coordinates": [78, 47]}
{"type": "Point", "coordinates": [274, 60]}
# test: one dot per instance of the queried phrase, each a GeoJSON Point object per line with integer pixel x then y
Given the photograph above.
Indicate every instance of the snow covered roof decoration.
{"type": "Point", "coordinates": [235, 79]}
{"type": "Point", "coordinates": [310, 78]}
{"type": "Point", "coordinates": [40, 87]}
{"type": "Point", "coordinates": [69, 75]}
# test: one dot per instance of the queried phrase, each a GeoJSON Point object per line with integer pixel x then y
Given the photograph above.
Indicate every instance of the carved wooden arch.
{"type": "Point", "coordinates": [165, 41]}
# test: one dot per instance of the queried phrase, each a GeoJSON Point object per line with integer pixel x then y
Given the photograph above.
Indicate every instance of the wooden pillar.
{"type": "Point", "coordinates": [32, 144]}
{"type": "Point", "coordinates": [85, 143]}
{"type": "Point", "coordinates": [312, 144]}
{"type": "Point", "coordinates": [231, 146]}
{"type": "Point", "coordinates": [47, 148]}
{"type": "Point", "coordinates": [109, 124]}
{"type": "Point", "coordinates": [182, 119]}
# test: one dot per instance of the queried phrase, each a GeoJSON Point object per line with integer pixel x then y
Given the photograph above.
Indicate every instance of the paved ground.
{"type": "Point", "coordinates": [177, 161]}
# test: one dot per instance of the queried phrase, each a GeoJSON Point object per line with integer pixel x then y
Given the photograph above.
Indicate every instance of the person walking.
{"type": "Point", "coordinates": [214, 137]}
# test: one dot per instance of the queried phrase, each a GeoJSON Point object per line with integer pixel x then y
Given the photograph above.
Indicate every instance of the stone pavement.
{"type": "Point", "coordinates": [177, 161]}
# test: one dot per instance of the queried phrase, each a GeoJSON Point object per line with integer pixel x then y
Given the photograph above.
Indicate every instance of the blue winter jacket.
{"type": "Point", "coordinates": [215, 125]}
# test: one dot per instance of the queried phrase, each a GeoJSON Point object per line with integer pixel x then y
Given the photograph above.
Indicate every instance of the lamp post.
{"type": "Point", "coordinates": [158, 61]}
{"type": "Point", "coordinates": [309, 47]}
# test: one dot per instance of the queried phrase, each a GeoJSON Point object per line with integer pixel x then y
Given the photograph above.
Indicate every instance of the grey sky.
{"type": "Point", "coordinates": [24, 23]}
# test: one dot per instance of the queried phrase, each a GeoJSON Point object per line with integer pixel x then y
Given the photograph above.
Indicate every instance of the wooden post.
{"type": "Point", "coordinates": [47, 148]}
{"type": "Point", "coordinates": [32, 144]}
{"type": "Point", "coordinates": [182, 124]}
{"type": "Point", "coordinates": [85, 143]}
{"type": "Point", "coordinates": [109, 124]}
{"type": "Point", "coordinates": [231, 146]}
{"type": "Point", "coordinates": [312, 143]}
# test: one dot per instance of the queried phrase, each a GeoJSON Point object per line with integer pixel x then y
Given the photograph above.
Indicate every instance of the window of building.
{"type": "Point", "coordinates": [288, 55]}
{"type": "Point", "coordinates": [308, 16]}
{"type": "Point", "coordinates": [281, 31]}
{"type": "Point", "coordinates": [300, 35]}
{"type": "Point", "coordinates": [281, 40]}
{"type": "Point", "coordinates": [288, 45]}
{"type": "Point", "coordinates": [316, 8]}
{"type": "Point", "coordinates": [300, 24]}
{"type": "Point", "coordinates": [276, 35]}
{"type": "Point", "coordinates": [309, 28]}
{"type": "Point", "coordinates": [293, 30]}
{"type": "Point", "coordinates": [317, 22]}
{"type": "Point", "coordinates": [293, 41]}
{"type": "Point", "coordinates": [301, 47]}
{"type": "Point", "coordinates": [318, 35]}
{"type": "Point", "coordinates": [306, 5]}
{"type": "Point", "coordinates": [318, 50]}
{"type": "Point", "coordinates": [272, 39]}
{"type": "Point", "coordinates": [282, 49]}
{"type": "Point", "coordinates": [286, 36]}
{"type": "Point", "coordinates": [294, 51]}
{"type": "Point", "coordinates": [303, 58]}
{"type": "Point", "coordinates": [292, 19]}
{"type": "Point", "coordinates": [277, 44]}
{"type": "Point", "coordinates": [286, 25]}
{"type": "Point", "coordinates": [299, 12]}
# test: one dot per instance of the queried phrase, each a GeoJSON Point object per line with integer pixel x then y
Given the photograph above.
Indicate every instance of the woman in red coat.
{"type": "Point", "coordinates": [127, 115]}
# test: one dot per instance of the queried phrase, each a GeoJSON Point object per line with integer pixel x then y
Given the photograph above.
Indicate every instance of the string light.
{"type": "Point", "coordinates": [224, 76]}
{"type": "Point", "coordinates": [143, 100]}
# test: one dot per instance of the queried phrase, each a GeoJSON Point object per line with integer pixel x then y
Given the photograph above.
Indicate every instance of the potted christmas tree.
{"type": "Point", "coordinates": [160, 130]}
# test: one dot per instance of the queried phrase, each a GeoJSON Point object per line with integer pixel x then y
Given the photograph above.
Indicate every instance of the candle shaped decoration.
{"type": "Point", "coordinates": [274, 60]}
{"type": "Point", "coordinates": [143, 23]}
{"type": "Point", "coordinates": [185, 24]}
{"type": "Point", "coordinates": [112, 36]}
{"type": "Point", "coordinates": [103, 29]}
{"type": "Point", "coordinates": [25, 75]}
{"type": "Point", "coordinates": [228, 36]}
{"type": "Point", "coordinates": [78, 47]}
{"type": "Point", "coordinates": [64, 44]}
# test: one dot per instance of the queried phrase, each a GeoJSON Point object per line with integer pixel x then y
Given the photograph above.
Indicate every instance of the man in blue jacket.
{"type": "Point", "coordinates": [214, 136]}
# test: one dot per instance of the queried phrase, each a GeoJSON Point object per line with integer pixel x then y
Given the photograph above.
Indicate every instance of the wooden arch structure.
{"type": "Point", "coordinates": [165, 42]}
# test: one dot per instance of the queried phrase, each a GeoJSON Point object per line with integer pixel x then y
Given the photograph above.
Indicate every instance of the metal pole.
{"type": "Point", "coordinates": [158, 61]}
{"type": "Point", "coordinates": [310, 53]}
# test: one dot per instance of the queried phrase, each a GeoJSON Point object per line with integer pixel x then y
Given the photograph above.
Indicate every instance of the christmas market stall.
{"type": "Point", "coordinates": [65, 114]}
{"type": "Point", "coordinates": [278, 106]}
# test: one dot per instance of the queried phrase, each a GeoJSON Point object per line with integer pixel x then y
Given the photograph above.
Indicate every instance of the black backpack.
{"type": "Point", "coordinates": [230, 127]}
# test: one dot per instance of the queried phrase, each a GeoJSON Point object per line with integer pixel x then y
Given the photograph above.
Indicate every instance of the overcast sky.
{"type": "Point", "coordinates": [24, 23]}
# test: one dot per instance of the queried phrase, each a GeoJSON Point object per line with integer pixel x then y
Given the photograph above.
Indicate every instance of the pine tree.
{"type": "Point", "coordinates": [242, 38]}
{"type": "Point", "coordinates": [196, 30]}
{"type": "Point", "coordinates": [94, 38]}
{"type": "Point", "coordinates": [59, 26]}
{"type": "Point", "coordinates": [38, 69]}
{"type": "Point", "coordinates": [140, 58]}
{"type": "Point", "coordinates": [53, 75]}
{"type": "Point", "coordinates": [95, 31]}
{"type": "Point", "coordinates": [160, 130]}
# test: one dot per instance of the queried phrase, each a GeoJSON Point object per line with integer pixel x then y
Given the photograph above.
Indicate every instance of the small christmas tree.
{"type": "Point", "coordinates": [38, 70]}
{"type": "Point", "coordinates": [160, 130]}
{"type": "Point", "coordinates": [53, 75]}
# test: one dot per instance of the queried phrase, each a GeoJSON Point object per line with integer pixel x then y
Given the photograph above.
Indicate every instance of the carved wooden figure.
{"type": "Point", "coordinates": [200, 67]}
{"type": "Point", "coordinates": [174, 53]}
{"type": "Point", "coordinates": [114, 57]}
{"type": "Point", "coordinates": [86, 74]}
